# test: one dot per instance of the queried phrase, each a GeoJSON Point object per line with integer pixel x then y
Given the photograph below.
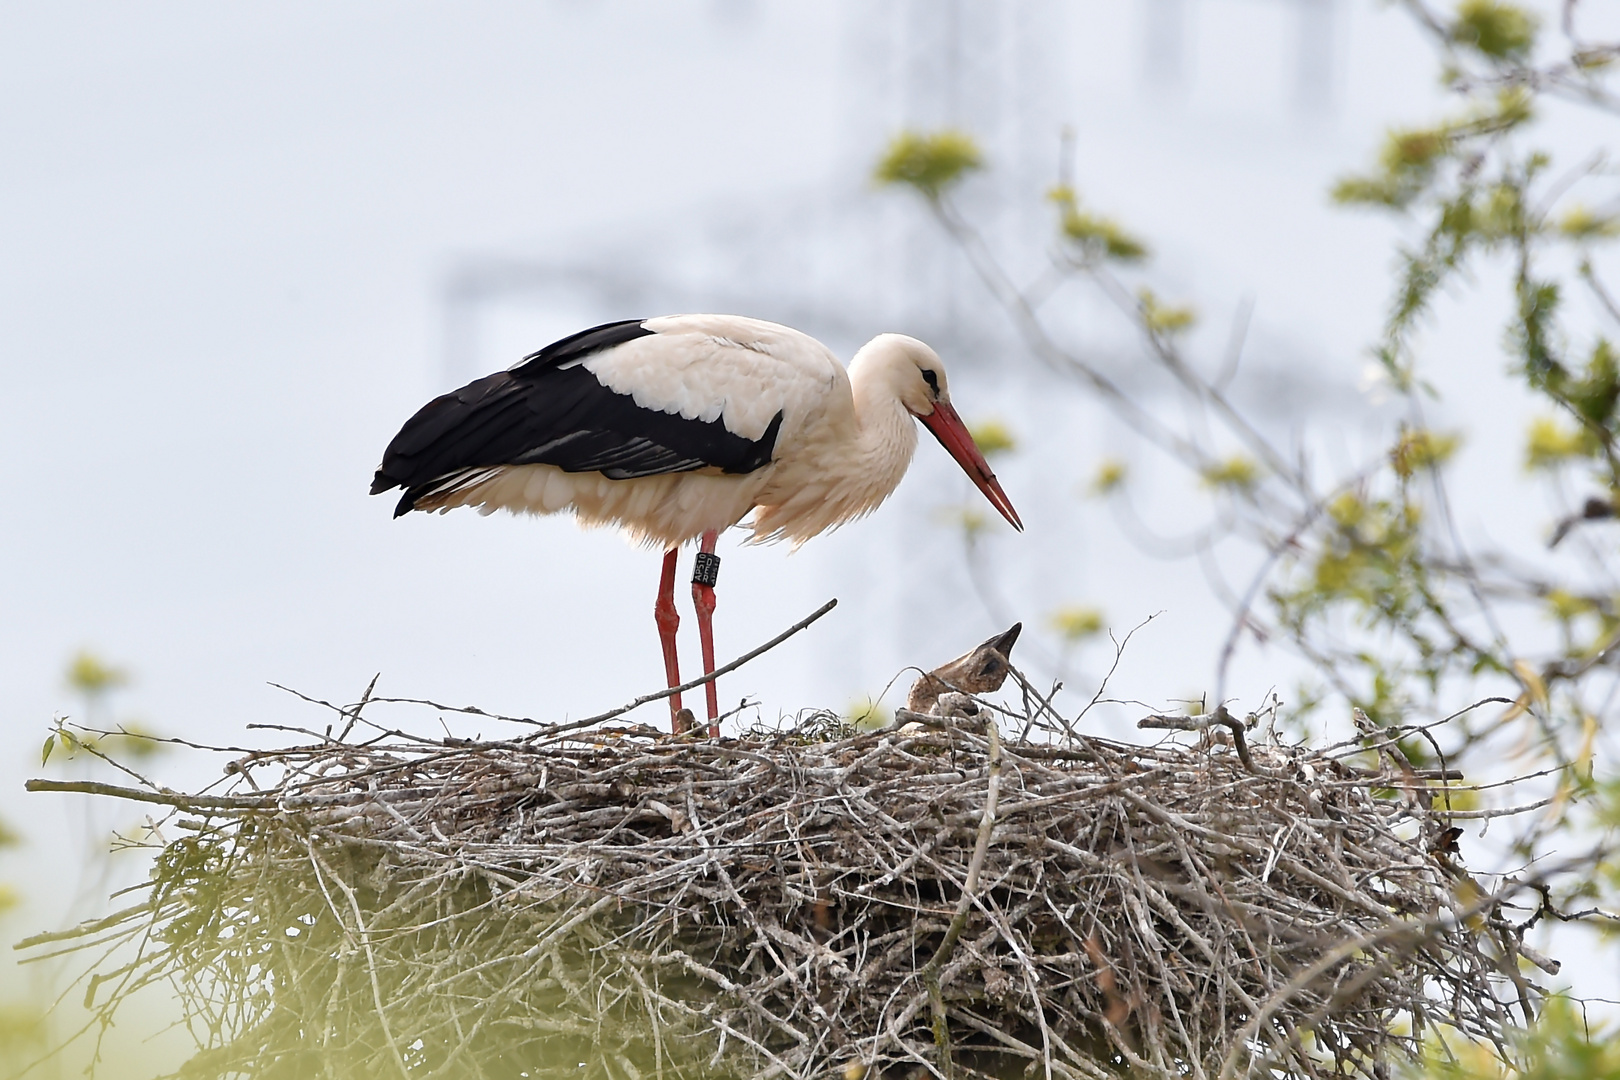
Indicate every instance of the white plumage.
{"type": "Point", "coordinates": [677, 427]}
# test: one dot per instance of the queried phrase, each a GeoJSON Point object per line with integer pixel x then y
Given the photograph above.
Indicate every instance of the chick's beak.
{"type": "Point", "coordinates": [953, 436]}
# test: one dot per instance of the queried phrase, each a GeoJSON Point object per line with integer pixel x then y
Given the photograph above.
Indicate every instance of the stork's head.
{"type": "Point", "coordinates": [913, 373]}
{"type": "Point", "coordinates": [910, 370]}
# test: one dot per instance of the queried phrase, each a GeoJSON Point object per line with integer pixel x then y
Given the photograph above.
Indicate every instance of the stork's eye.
{"type": "Point", "coordinates": [932, 380]}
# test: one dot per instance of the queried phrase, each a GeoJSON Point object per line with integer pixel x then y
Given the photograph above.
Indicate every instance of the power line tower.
{"type": "Point", "coordinates": [1169, 40]}
{"type": "Point", "coordinates": [842, 259]}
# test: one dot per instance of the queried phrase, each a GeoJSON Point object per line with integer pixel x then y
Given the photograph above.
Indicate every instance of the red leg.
{"type": "Point", "coordinates": [667, 618]}
{"type": "Point", "coordinates": [703, 599]}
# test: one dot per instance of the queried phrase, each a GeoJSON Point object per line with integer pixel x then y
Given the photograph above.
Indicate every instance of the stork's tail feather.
{"type": "Point", "coordinates": [407, 502]}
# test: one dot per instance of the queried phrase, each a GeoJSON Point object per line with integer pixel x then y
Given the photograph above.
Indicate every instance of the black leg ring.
{"type": "Point", "coordinates": [706, 569]}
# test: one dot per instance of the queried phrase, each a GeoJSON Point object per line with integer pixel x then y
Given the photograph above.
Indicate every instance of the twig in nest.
{"type": "Point", "coordinates": [981, 847]}
{"type": "Point", "coordinates": [1204, 721]}
{"type": "Point", "coordinates": [647, 699]}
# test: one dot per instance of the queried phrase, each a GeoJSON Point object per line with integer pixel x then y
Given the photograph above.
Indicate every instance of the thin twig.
{"type": "Point", "coordinates": [647, 699]}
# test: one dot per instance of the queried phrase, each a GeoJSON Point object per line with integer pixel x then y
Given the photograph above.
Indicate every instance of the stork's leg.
{"type": "Point", "coordinates": [705, 571]}
{"type": "Point", "coordinates": [668, 620]}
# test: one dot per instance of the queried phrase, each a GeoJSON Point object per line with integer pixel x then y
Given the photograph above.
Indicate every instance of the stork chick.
{"type": "Point", "coordinates": [978, 672]}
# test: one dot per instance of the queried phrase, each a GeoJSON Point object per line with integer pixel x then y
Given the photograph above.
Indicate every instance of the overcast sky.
{"type": "Point", "coordinates": [224, 237]}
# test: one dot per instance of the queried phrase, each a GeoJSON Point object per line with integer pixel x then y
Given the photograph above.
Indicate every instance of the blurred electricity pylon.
{"type": "Point", "coordinates": [1168, 47]}
{"type": "Point", "coordinates": [843, 260]}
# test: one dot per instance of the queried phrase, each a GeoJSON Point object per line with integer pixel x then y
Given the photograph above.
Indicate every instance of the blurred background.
{"type": "Point", "coordinates": [242, 244]}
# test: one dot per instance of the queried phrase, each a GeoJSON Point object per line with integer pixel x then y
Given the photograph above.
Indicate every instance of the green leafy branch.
{"type": "Point", "coordinates": [1364, 574]}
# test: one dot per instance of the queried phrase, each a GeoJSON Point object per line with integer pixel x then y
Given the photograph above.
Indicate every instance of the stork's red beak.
{"type": "Point", "coordinates": [953, 436]}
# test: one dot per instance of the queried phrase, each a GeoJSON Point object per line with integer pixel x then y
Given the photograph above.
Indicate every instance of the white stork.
{"type": "Point", "coordinates": [677, 427]}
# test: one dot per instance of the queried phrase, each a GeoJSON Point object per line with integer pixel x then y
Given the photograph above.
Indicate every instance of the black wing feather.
{"type": "Point", "coordinates": [549, 410]}
{"type": "Point", "coordinates": [576, 347]}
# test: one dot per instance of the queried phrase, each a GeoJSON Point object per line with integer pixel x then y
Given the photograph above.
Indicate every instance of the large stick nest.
{"type": "Point", "coordinates": [904, 903]}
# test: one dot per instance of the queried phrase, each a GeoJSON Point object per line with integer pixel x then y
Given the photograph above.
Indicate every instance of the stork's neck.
{"type": "Point", "coordinates": [887, 433]}
{"type": "Point", "coordinates": [854, 459]}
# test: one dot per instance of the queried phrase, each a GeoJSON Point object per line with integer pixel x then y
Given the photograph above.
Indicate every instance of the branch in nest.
{"type": "Point", "coordinates": [1204, 721]}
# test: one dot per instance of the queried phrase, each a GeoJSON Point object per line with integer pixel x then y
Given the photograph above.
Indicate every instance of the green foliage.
{"type": "Point", "coordinates": [22, 1036]}
{"type": "Point", "coordinates": [22, 1025]}
{"type": "Point", "coordinates": [1418, 448]}
{"type": "Point", "coordinates": [91, 676]}
{"type": "Point", "coordinates": [95, 680]}
{"type": "Point", "coordinates": [1077, 622]}
{"type": "Point", "coordinates": [867, 714]}
{"type": "Point", "coordinates": [1532, 335]}
{"type": "Point", "coordinates": [1580, 223]}
{"type": "Point", "coordinates": [1550, 445]}
{"type": "Point", "coordinates": [1475, 194]}
{"type": "Point", "coordinates": [130, 741]}
{"type": "Point", "coordinates": [1607, 806]}
{"type": "Point", "coordinates": [1238, 472]}
{"type": "Point", "coordinates": [932, 163]}
{"type": "Point", "coordinates": [1481, 195]}
{"type": "Point", "coordinates": [1413, 166]}
{"type": "Point", "coordinates": [993, 437]}
{"type": "Point", "coordinates": [1161, 318]}
{"type": "Point", "coordinates": [1095, 235]}
{"type": "Point", "coordinates": [1499, 31]}
{"type": "Point", "coordinates": [1110, 474]}
{"type": "Point", "coordinates": [1587, 622]}
{"type": "Point", "coordinates": [1370, 563]}
{"type": "Point", "coordinates": [1562, 1045]}
{"type": "Point", "coordinates": [1368, 559]}
{"type": "Point", "coordinates": [1566, 606]}
{"type": "Point", "coordinates": [258, 951]}
{"type": "Point", "coordinates": [1407, 165]}
{"type": "Point", "coordinates": [1589, 396]}
{"type": "Point", "coordinates": [1594, 395]}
